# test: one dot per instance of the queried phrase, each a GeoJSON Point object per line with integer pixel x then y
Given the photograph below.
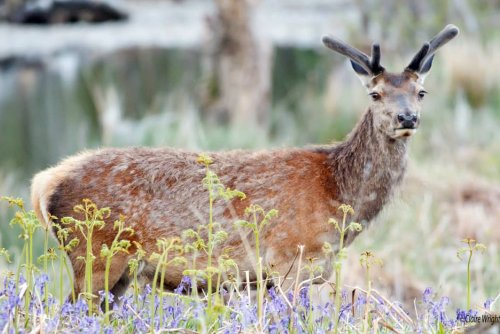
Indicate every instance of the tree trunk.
{"type": "Point", "coordinates": [238, 90]}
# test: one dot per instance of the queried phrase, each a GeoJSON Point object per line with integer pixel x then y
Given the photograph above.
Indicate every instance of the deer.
{"type": "Point", "coordinates": [159, 191]}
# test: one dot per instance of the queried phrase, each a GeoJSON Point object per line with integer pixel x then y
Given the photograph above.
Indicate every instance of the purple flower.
{"type": "Point", "coordinates": [304, 297]}
{"type": "Point", "coordinates": [326, 309]}
{"type": "Point", "coordinates": [102, 297]}
{"type": "Point", "coordinates": [12, 301]}
{"type": "Point", "coordinates": [52, 324]}
{"type": "Point", "coordinates": [360, 302]}
{"type": "Point", "coordinates": [277, 304]}
{"type": "Point", "coordinates": [66, 308]}
{"type": "Point", "coordinates": [81, 306]}
{"type": "Point", "coordinates": [344, 310]}
{"type": "Point", "coordinates": [41, 282]}
{"type": "Point", "coordinates": [140, 325]}
{"type": "Point", "coordinates": [437, 310]}
{"type": "Point", "coordinates": [145, 295]}
{"type": "Point", "coordinates": [427, 295]}
{"type": "Point", "coordinates": [184, 285]}
{"type": "Point", "coordinates": [90, 324]}
{"type": "Point", "coordinates": [289, 296]}
{"type": "Point", "coordinates": [487, 303]}
{"type": "Point", "coordinates": [461, 315]}
{"type": "Point", "coordinates": [248, 312]}
{"type": "Point", "coordinates": [466, 316]}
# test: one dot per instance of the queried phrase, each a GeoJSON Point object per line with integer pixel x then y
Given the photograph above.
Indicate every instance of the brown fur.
{"type": "Point", "coordinates": [160, 191]}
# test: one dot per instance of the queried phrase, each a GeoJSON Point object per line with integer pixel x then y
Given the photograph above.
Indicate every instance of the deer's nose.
{"type": "Point", "coordinates": [408, 120]}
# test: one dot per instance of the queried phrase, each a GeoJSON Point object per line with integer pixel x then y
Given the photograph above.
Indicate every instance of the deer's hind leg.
{"type": "Point", "coordinates": [118, 277]}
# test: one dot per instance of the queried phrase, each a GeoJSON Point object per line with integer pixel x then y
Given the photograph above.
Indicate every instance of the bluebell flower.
{"type": "Point", "coordinates": [466, 316]}
{"type": "Point", "coordinates": [325, 309]}
{"type": "Point", "coordinates": [140, 325]}
{"type": "Point", "coordinates": [127, 307]}
{"type": "Point", "coordinates": [146, 291]}
{"type": "Point", "coordinates": [52, 324]}
{"type": "Point", "coordinates": [13, 301]}
{"type": "Point", "coordinates": [360, 302]}
{"type": "Point", "coordinates": [90, 324]}
{"type": "Point", "coordinates": [461, 315]}
{"type": "Point", "coordinates": [289, 295]}
{"type": "Point", "coordinates": [273, 328]}
{"type": "Point", "coordinates": [284, 323]}
{"type": "Point", "coordinates": [108, 330]}
{"type": "Point", "coordinates": [277, 303]}
{"type": "Point", "coordinates": [437, 310]}
{"type": "Point", "coordinates": [345, 311]}
{"type": "Point", "coordinates": [102, 296]}
{"type": "Point", "coordinates": [487, 303]}
{"type": "Point", "coordinates": [304, 297]}
{"type": "Point", "coordinates": [344, 294]}
{"type": "Point", "coordinates": [248, 311]}
{"type": "Point", "coordinates": [80, 306]}
{"type": "Point", "coordinates": [325, 318]}
{"type": "Point", "coordinates": [41, 282]}
{"type": "Point", "coordinates": [66, 308]}
{"type": "Point", "coordinates": [184, 285]}
{"type": "Point", "coordinates": [427, 295]}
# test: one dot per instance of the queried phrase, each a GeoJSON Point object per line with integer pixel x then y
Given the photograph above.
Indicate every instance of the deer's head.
{"type": "Point", "coordinates": [396, 98]}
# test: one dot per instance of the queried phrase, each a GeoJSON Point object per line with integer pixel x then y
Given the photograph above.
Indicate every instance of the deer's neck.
{"type": "Point", "coordinates": [366, 168]}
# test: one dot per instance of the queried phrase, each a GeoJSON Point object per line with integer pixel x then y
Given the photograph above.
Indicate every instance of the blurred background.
{"type": "Point", "coordinates": [222, 74]}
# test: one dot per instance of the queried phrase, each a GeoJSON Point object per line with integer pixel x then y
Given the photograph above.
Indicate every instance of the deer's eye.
{"type": "Point", "coordinates": [421, 94]}
{"type": "Point", "coordinates": [375, 96]}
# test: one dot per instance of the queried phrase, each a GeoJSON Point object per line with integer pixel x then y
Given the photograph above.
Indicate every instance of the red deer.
{"type": "Point", "coordinates": [160, 191]}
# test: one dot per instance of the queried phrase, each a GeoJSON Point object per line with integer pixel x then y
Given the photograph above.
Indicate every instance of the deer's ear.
{"type": "Point", "coordinates": [363, 75]}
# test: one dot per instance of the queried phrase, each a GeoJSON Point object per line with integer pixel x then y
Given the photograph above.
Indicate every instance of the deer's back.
{"type": "Point", "coordinates": [160, 192]}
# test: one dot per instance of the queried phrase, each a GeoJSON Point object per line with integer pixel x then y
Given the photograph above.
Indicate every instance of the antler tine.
{"type": "Point", "coordinates": [417, 60]}
{"type": "Point", "coordinates": [444, 36]}
{"type": "Point", "coordinates": [428, 49]}
{"type": "Point", "coordinates": [375, 62]}
{"type": "Point", "coordinates": [348, 51]}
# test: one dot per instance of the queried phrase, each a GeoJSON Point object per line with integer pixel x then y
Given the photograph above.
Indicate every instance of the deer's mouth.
{"type": "Point", "coordinates": [404, 132]}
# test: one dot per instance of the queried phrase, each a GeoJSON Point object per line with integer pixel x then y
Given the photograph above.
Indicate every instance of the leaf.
{"type": "Point", "coordinates": [462, 251]}
{"type": "Point", "coordinates": [189, 233]}
{"type": "Point", "coordinates": [105, 251]}
{"type": "Point", "coordinates": [154, 256]}
{"type": "Point", "coordinates": [13, 201]}
{"type": "Point", "coordinates": [72, 244]}
{"type": "Point", "coordinates": [355, 227]}
{"type": "Point", "coordinates": [211, 270]}
{"type": "Point", "coordinates": [327, 248]}
{"type": "Point", "coordinates": [179, 261]}
{"type": "Point", "coordinates": [346, 209]}
{"type": "Point", "coordinates": [244, 223]}
{"type": "Point", "coordinates": [219, 236]}
{"type": "Point", "coordinates": [204, 159]}
{"type": "Point", "coordinates": [5, 253]}
{"type": "Point", "coordinates": [480, 247]}
{"type": "Point", "coordinates": [342, 254]}
{"type": "Point", "coordinates": [334, 222]}
{"type": "Point", "coordinates": [68, 220]}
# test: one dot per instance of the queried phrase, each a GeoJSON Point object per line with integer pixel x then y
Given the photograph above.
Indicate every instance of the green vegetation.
{"type": "Point", "coordinates": [153, 309]}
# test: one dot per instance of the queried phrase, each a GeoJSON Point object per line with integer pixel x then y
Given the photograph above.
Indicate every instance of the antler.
{"type": "Point", "coordinates": [423, 59]}
{"type": "Point", "coordinates": [370, 66]}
